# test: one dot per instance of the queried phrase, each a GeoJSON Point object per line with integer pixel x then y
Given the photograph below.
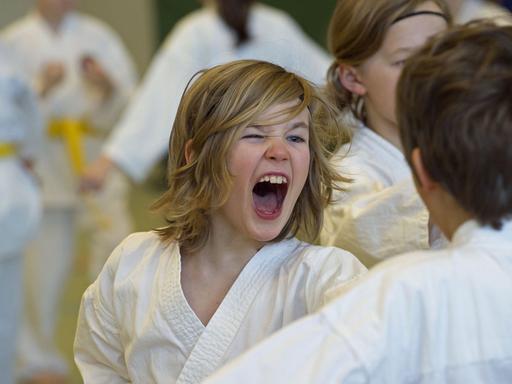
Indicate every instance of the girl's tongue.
{"type": "Point", "coordinates": [268, 198]}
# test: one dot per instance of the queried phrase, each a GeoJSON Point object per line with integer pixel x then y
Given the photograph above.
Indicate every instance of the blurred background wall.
{"type": "Point", "coordinates": [144, 23]}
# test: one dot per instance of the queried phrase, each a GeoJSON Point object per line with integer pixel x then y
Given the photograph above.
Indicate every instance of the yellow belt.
{"type": "Point", "coordinates": [71, 131]}
{"type": "Point", "coordinates": [7, 149]}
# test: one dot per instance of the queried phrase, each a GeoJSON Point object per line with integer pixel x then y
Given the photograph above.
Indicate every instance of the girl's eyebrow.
{"type": "Point", "coordinates": [300, 124]}
{"type": "Point", "coordinates": [404, 50]}
{"type": "Point", "coordinates": [297, 125]}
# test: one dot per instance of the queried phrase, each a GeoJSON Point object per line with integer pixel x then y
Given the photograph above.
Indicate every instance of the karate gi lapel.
{"type": "Point", "coordinates": [208, 353]}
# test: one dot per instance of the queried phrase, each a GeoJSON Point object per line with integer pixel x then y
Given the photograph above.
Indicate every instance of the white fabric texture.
{"type": "Point", "coordinates": [11, 299]}
{"type": "Point", "coordinates": [442, 316]}
{"type": "Point", "coordinates": [47, 265]}
{"type": "Point", "coordinates": [136, 326]}
{"type": "Point", "coordinates": [200, 41]}
{"type": "Point", "coordinates": [380, 214]}
{"type": "Point", "coordinates": [482, 9]}
{"type": "Point", "coordinates": [20, 125]}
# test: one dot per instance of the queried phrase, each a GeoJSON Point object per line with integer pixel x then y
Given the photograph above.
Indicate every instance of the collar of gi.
{"type": "Point", "coordinates": [418, 13]}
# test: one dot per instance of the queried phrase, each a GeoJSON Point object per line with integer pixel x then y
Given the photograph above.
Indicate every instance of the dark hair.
{"type": "Point", "coordinates": [453, 103]}
{"type": "Point", "coordinates": [235, 14]}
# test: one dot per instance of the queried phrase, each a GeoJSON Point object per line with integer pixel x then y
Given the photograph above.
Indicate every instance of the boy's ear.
{"type": "Point", "coordinates": [350, 79]}
{"type": "Point", "coordinates": [425, 180]}
{"type": "Point", "coordinates": [189, 153]}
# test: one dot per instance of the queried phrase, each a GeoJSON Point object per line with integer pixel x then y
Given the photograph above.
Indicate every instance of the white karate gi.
{"type": "Point", "coordinates": [200, 41]}
{"type": "Point", "coordinates": [442, 316]}
{"type": "Point", "coordinates": [380, 214]}
{"type": "Point", "coordinates": [482, 9]}
{"type": "Point", "coordinates": [20, 206]}
{"type": "Point", "coordinates": [136, 326]}
{"type": "Point", "coordinates": [50, 259]}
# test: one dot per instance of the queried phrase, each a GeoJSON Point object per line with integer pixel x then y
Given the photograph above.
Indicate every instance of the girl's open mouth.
{"type": "Point", "coordinates": [268, 195]}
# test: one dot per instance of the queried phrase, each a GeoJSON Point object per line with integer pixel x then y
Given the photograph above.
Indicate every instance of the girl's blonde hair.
{"type": "Point", "coordinates": [356, 32]}
{"type": "Point", "coordinates": [216, 107]}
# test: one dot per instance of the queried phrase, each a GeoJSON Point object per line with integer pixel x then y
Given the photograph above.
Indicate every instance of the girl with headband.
{"type": "Point", "coordinates": [379, 214]}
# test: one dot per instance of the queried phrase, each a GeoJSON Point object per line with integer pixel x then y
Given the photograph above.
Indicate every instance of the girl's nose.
{"type": "Point", "coordinates": [277, 149]}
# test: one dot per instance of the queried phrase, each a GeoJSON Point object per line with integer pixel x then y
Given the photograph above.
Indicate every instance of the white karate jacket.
{"type": "Point", "coordinates": [135, 325]}
{"type": "Point", "coordinates": [437, 317]}
{"type": "Point", "coordinates": [380, 214]}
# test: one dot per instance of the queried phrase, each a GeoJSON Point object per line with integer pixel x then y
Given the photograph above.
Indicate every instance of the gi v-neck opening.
{"type": "Point", "coordinates": [240, 280]}
{"type": "Point", "coordinates": [181, 315]}
{"type": "Point", "coordinates": [211, 347]}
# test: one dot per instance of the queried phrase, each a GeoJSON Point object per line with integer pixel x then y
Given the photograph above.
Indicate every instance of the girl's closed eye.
{"type": "Point", "coordinates": [252, 133]}
{"type": "Point", "coordinates": [253, 136]}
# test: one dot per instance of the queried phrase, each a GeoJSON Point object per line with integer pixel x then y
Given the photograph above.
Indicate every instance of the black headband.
{"type": "Point", "coordinates": [407, 15]}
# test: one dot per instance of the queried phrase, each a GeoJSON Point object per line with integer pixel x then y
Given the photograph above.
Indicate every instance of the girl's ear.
{"type": "Point", "coordinates": [350, 79]}
{"type": "Point", "coordinates": [189, 153]}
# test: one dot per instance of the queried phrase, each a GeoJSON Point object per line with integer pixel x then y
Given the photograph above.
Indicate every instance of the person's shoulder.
{"type": "Point", "coordinates": [93, 26]}
{"type": "Point", "coordinates": [314, 257]}
{"type": "Point", "coordinates": [314, 251]}
{"type": "Point", "coordinates": [90, 21]}
{"type": "Point", "coordinates": [368, 158]}
{"type": "Point", "coordinates": [192, 28]}
{"type": "Point", "coordinates": [135, 249]}
{"type": "Point", "coordinates": [193, 21]}
{"type": "Point", "coordinates": [496, 12]}
{"type": "Point", "coordinates": [19, 28]}
{"type": "Point", "coordinates": [414, 271]}
{"type": "Point", "coordinates": [266, 17]}
{"type": "Point", "coordinates": [140, 239]}
{"type": "Point", "coordinates": [268, 12]}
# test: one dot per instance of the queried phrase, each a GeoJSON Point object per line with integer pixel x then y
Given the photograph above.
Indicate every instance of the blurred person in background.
{"type": "Point", "coordinates": [20, 206]}
{"type": "Point", "coordinates": [379, 215]}
{"type": "Point", "coordinates": [83, 76]}
{"type": "Point", "coordinates": [222, 31]}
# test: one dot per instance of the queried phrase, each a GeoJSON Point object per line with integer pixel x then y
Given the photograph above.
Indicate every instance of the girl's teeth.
{"type": "Point", "coordinates": [274, 179]}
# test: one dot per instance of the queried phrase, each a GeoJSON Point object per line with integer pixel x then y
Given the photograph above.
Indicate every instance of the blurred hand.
{"type": "Point", "coordinates": [28, 165]}
{"type": "Point", "coordinates": [50, 76]}
{"type": "Point", "coordinates": [94, 73]}
{"type": "Point", "coordinates": [94, 176]}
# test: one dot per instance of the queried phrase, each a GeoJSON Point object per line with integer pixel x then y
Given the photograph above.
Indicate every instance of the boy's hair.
{"type": "Point", "coordinates": [213, 111]}
{"type": "Point", "coordinates": [454, 104]}
{"type": "Point", "coordinates": [356, 32]}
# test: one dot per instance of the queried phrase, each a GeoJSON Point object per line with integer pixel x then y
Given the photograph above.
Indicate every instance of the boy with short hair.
{"type": "Point", "coordinates": [441, 316]}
